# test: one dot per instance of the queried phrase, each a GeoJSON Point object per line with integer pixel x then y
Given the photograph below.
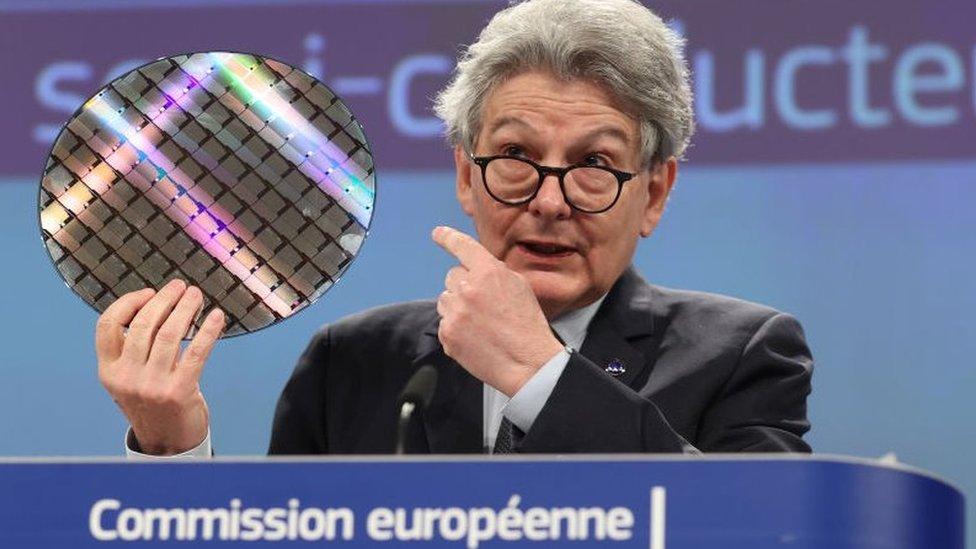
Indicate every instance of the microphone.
{"type": "Point", "coordinates": [416, 394]}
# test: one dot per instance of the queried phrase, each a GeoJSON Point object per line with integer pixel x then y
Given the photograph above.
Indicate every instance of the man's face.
{"type": "Point", "coordinates": [569, 258]}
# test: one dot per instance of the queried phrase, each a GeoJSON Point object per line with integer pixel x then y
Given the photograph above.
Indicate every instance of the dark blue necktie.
{"type": "Point", "coordinates": [506, 437]}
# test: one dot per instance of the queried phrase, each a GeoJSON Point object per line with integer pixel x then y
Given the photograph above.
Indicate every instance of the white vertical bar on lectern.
{"type": "Point", "coordinates": [658, 501]}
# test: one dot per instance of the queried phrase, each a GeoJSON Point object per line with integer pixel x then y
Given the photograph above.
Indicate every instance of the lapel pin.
{"type": "Point", "coordinates": [615, 368]}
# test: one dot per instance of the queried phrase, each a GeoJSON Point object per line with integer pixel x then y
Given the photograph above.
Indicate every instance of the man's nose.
{"type": "Point", "coordinates": [549, 201]}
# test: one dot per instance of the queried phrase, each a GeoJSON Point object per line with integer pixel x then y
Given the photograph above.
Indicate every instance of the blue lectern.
{"type": "Point", "coordinates": [662, 502]}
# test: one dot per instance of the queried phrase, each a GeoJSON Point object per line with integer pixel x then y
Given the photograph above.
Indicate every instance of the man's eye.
{"type": "Point", "coordinates": [513, 150]}
{"type": "Point", "coordinates": [594, 160]}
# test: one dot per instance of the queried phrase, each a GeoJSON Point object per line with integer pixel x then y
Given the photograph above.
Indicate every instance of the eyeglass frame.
{"type": "Point", "coordinates": [544, 171]}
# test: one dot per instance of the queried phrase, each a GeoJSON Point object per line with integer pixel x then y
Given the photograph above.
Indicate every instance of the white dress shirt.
{"type": "Point", "coordinates": [521, 409]}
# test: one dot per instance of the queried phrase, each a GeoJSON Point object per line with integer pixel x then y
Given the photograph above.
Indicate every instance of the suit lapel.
{"type": "Point", "coordinates": [621, 334]}
{"type": "Point", "coordinates": [453, 421]}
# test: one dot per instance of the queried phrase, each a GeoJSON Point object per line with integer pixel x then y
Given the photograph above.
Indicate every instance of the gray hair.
{"type": "Point", "coordinates": [618, 44]}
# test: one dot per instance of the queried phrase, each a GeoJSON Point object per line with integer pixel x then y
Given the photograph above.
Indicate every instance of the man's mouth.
{"type": "Point", "coordinates": [546, 249]}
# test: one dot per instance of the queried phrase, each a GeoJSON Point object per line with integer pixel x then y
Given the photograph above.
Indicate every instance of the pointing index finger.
{"type": "Point", "coordinates": [466, 249]}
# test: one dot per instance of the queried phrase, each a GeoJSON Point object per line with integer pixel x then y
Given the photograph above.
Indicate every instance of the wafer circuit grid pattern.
{"type": "Point", "coordinates": [239, 174]}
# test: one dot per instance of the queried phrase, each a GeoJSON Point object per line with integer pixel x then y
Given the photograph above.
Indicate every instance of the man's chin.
{"type": "Point", "coordinates": [556, 291]}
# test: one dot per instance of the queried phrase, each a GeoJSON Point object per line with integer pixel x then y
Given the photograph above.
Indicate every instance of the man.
{"type": "Point", "coordinates": [567, 119]}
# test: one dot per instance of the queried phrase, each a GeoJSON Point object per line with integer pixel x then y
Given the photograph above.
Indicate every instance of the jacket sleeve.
{"type": "Point", "coordinates": [299, 422]}
{"type": "Point", "coordinates": [761, 406]}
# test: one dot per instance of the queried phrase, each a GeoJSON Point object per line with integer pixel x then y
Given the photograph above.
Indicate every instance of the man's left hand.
{"type": "Point", "coordinates": [491, 321]}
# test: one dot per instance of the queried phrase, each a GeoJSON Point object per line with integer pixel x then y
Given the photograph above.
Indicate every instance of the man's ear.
{"type": "Point", "coordinates": [662, 178]}
{"type": "Point", "coordinates": [463, 183]}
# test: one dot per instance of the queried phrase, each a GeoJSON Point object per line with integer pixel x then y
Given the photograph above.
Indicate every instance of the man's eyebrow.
{"type": "Point", "coordinates": [609, 131]}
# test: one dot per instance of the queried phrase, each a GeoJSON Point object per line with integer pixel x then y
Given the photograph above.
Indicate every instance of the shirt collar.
{"type": "Point", "coordinates": [571, 326]}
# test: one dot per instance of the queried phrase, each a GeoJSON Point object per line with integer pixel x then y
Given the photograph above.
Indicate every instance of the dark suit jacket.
{"type": "Point", "coordinates": [702, 372]}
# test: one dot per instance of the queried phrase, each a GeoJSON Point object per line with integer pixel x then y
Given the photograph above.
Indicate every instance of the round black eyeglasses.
{"type": "Point", "coordinates": [515, 180]}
